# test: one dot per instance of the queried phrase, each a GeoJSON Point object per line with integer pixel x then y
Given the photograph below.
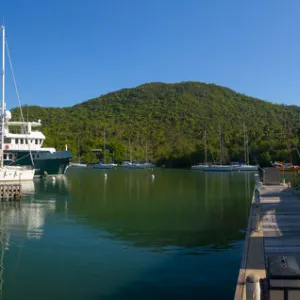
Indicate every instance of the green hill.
{"type": "Point", "coordinates": [170, 120]}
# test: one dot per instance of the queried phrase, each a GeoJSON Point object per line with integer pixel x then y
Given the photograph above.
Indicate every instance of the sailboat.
{"type": "Point", "coordinates": [103, 164]}
{"type": "Point", "coordinates": [9, 173]}
{"type": "Point", "coordinates": [77, 164]}
{"type": "Point", "coordinates": [220, 167]}
{"type": "Point", "coordinates": [148, 164]}
{"type": "Point", "coordinates": [205, 165]}
{"type": "Point", "coordinates": [138, 164]}
{"type": "Point", "coordinates": [127, 163]}
{"type": "Point", "coordinates": [245, 166]}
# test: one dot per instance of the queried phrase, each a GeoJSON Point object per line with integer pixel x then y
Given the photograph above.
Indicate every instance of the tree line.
{"type": "Point", "coordinates": [176, 125]}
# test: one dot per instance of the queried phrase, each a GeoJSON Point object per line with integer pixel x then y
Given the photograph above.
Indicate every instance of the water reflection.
{"type": "Point", "coordinates": [25, 219]}
{"type": "Point", "coordinates": [178, 208]}
{"type": "Point", "coordinates": [125, 235]}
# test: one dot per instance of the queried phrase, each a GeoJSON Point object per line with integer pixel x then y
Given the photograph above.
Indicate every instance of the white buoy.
{"type": "Point", "coordinates": [53, 178]}
{"type": "Point", "coordinates": [153, 176]}
{"type": "Point", "coordinates": [105, 175]}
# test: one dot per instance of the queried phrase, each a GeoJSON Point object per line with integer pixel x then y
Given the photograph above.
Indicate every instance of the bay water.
{"type": "Point", "coordinates": [129, 234]}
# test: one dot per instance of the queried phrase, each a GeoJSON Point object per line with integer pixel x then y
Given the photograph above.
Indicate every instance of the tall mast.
{"type": "Point", "coordinates": [205, 145]}
{"type": "Point", "coordinates": [104, 140]}
{"type": "Point", "coordinates": [3, 95]}
{"type": "Point", "coordinates": [245, 143]}
{"type": "Point", "coordinates": [247, 149]}
{"type": "Point", "coordinates": [146, 152]}
{"type": "Point", "coordinates": [78, 150]}
{"type": "Point", "coordinates": [289, 144]}
{"type": "Point", "coordinates": [221, 146]}
{"type": "Point", "coordinates": [138, 148]}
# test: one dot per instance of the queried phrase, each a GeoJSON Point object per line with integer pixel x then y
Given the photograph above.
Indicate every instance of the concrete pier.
{"type": "Point", "coordinates": [272, 245]}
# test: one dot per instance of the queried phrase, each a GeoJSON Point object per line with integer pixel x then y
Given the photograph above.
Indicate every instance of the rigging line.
{"type": "Point", "coordinates": [22, 157]}
{"type": "Point", "coordinates": [18, 97]}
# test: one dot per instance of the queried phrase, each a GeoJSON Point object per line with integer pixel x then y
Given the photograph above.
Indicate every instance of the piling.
{"type": "Point", "coordinates": [10, 191]}
{"type": "Point", "coordinates": [253, 287]}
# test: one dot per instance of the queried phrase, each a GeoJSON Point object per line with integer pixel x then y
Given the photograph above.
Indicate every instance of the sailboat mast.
{"type": "Point", "coordinates": [104, 140]}
{"type": "Point", "coordinates": [146, 152]}
{"type": "Point", "coordinates": [78, 150]}
{"type": "Point", "coordinates": [138, 147]}
{"type": "Point", "coordinates": [3, 95]}
{"type": "Point", "coordinates": [245, 143]}
{"type": "Point", "coordinates": [205, 145]}
{"type": "Point", "coordinates": [221, 150]}
{"type": "Point", "coordinates": [247, 148]}
{"type": "Point", "coordinates": [130, 151]}
{"type": "Point", "coordinates": [289, 145]}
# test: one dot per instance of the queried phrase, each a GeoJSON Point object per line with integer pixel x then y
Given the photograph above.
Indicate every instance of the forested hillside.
{"type": "Point", "coordinates": [169, 122]}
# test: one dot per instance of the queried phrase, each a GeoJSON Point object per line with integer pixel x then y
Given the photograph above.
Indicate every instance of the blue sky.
{"type": "Point", "coordinates": [67, 51]}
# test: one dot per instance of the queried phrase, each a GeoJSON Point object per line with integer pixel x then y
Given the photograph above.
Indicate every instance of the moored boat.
{"type": "Point", "coordinates": [77, 165]}
{"type": "Point", "coordinates": [244, 167]}
{"type": "Point", "coordinates": [10, 173]}
{"type": "Point", "coordinates": [125, 164]}
{"type": "Point", "coordinates": [26, 145]}
{"type": "Point", "coordinates": [101, 165]}
{"type": "Point", "coordinates": [286, 167]}
{"type": "Point", "coordinates": [219, 168]}
{"type": "Point", "coordinates": [199, 167]}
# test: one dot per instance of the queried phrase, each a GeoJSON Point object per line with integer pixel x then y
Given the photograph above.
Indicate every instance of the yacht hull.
{"type": "Point", "coordinates": [45, 163]}
{"type": "Point", "coordinates": [218, 168]}
{"type": "Point", "coordinates": [13, 173]}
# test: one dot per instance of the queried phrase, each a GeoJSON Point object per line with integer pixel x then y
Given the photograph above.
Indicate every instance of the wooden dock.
{"type": "Point", "coordinates": [272, 246]}
{"type": "Point", "coordinates": [10, 191]}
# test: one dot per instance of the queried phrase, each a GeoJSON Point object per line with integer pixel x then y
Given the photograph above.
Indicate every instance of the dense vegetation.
{"type": "Point", "coordinates": [168, 122]}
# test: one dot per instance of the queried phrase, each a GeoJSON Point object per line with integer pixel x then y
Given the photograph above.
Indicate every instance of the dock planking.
{"type": "Point", "coordinates": [279, 237]}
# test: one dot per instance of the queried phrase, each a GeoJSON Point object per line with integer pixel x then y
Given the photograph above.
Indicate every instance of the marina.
{"type": "Point", "coordinates": [149, 150]}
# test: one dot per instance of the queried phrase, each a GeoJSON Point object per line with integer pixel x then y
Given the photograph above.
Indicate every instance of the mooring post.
{"type": "Point", "coordinates": [253, 287]}
{"type": "Point", "coordinates": [257, 211]}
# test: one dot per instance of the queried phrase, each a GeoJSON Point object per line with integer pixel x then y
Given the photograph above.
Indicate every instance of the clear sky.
{"type": "Point", "coordinates": [67, 51]}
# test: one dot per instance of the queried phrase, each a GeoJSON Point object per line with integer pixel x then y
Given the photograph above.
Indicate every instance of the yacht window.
{"type": "Point", "coordinates": [37, 156]}
{"type": "Point", "coordinates": [4, 156]}
{"type": "Point", "coordinates": [7, 140]}
{"type": "Point", "coordinates": [17, 141]}
{"type": "Point", "coordinates": [36, 142]}
{"type": "Point", "coordinates": [41, 141]}
{"type": "Point", "coordinates": [26, 141]}
{"type": "Point", "coordinates": [31, 141]}
{"type": "Point", "coordinates": [10, 156]}
{"type": "Point", "coordinates": [21, 141]}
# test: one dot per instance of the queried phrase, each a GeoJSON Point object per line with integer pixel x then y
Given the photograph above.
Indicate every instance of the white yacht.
{"type": "Point", "coordinates": [10, 173]}
{"type": "Point", "coordinates": [219, 168]}
{"type": "Point", "coordinates": [199, 167]}
{"type": "Point", "coordinates": [101, 165]}
{"type": "Point", "coordinates": [244, 167]}
{"type": "Point", "coordinates": [125, 164]}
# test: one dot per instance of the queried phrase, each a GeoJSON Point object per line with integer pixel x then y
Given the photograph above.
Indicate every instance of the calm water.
{"type": "Point", "coordinates": [129, 236]}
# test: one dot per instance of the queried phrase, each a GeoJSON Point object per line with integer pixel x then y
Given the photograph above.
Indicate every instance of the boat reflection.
{"type": "Point", "coordinates": [25, 218]}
